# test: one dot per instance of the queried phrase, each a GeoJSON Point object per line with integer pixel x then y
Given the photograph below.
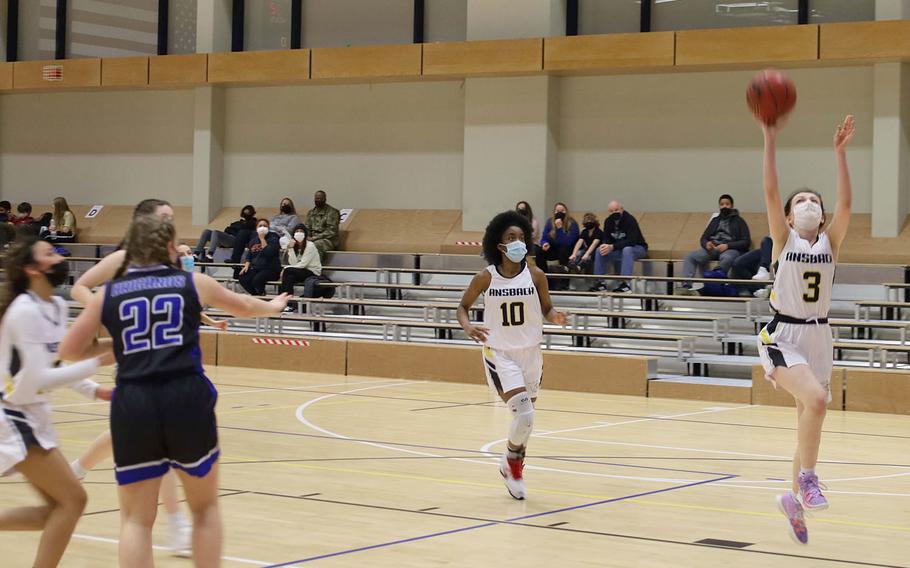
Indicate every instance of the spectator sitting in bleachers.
{"type": "Point", "coordinates": [323, 221]}
{"type": "Point", "coordinates": [5, 209]}
{"type": "Point", "coordinates": [622, 245]}
{"type": "Point", "coordinates": [303, 265]}
{"type": "Point", "coordinates": [524, 208]}
{"type": "Point", "coordinates": [588, 240]}
{"type": "Point", "coordinates": [755, 264]}
{"type": "Point", "coordinates": [725, 238]}
{"type": "Point", "coordinates": [241, 229]}
{"type": "Point", "coordinates": [262, 261]}
{"type": "Point", "coordinates": [61, 227]}
{"type": "Point", "coordinates": [23, 216]}
{"type": "Point", "coordinates": [284, 222]}
{"type": "Point", "coordinates": [560, 233]}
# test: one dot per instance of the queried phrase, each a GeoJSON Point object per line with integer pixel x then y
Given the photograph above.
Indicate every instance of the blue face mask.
{"type": "Point", "coordinates": [516, 251]}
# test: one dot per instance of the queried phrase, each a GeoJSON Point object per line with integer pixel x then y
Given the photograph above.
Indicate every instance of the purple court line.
{"type": "Point", "coordinates": [491, 523]}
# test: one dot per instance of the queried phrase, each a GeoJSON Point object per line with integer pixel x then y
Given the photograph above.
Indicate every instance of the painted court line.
{"type": "Point", "coordinates": [492, 523]}
{"type": "Point", "coordinates": [164, 548]}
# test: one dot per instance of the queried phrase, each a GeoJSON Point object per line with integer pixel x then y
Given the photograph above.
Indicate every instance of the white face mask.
{"type": "Point", "coordinates": [807, 215]}
{"type": "Point", "coordinates": [299, 237]}
{"type": "Point", "coordinates": [262, 230]}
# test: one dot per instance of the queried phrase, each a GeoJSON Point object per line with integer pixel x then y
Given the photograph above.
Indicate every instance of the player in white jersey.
{"type": "Point", "coordinates": [32, 323]}
{"type": "Point", "coordinates": [516, 302]}
{"type": "Point", "coordinates": [796, 346]}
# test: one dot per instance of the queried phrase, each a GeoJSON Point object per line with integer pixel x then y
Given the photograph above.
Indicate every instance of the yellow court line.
{"type": "Point", "coordinates": [767, 514]}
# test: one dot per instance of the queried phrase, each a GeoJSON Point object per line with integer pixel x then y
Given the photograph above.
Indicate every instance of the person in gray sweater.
{"type": "Point", "coordinates": [285, 221]}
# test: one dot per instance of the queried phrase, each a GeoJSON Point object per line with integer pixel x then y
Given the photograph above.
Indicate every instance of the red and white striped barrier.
{"type": "Point", "coordinates": [288, 342]}
{"type": "Point", "coordinates": [468, 243]}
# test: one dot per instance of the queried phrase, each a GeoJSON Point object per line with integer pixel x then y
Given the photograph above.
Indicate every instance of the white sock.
{"type": "Point", "coordinates": [77, 468]}
{"type": "Point", "coordinates": [177, 519]}
{"type": "Point", "coordinates": [807, 471]}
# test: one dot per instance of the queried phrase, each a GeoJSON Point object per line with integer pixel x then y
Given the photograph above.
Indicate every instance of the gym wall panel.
{"type": "Point", "coordinates": [605, 374]}
{"type": "Point", "coordinates": [178, 70]}
{"type": "Point", "coordinates": [367, 62]}
{"type": "Point", "coordinates": [886, 40]}
{"type": "Point", "coordinates": [478, 58]}
{"type": "Point", "coordinates": [107, 147]}
{"type": "Point", "coordinates": [878, 390]}
{"type": "Point", "coordinates": [322, 355]}
{"type": "Point", "coordinates": [125, 72]}
{"type": "Point", "coordinates": [454, 363]}
{"type": "Point", "coordinates": [383, 146]}
{"type": "Point", "coordinates": [208, 342]}
{"type": "Point", "coordinates": [697, 391]}
{"type": "Point", "coordinates": [76, 73]}
{"type": "Point", "coordinates": [605, 53]}
{"type": "Point", "coordinates": [237, 68]}
{"type": "Point", "coordinates": [779, 45]}
{"type": "Point", "coordinates": [6, 76]}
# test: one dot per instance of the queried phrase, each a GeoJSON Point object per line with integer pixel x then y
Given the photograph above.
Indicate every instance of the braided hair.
{"type": "Point", "coordinates": [147, 240]}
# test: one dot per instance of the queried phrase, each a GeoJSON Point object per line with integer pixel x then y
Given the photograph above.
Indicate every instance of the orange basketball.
{"type": "Point", "coordinates": [771, 95]}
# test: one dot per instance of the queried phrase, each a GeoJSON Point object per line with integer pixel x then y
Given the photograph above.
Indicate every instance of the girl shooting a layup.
{"type": "Point", "coordinates": [796, 346]}
{"type": "Point", "coordinates": [163, 414]}
{"type": "Point", "coordinates": [32, 323]}
{"type": "Point", "coordinates": [516, 301]}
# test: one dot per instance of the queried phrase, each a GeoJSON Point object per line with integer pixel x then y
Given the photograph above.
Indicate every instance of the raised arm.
{"type": "Point", "coordinates": [478, 286]}
{"type": "Point", "coordinates": [96, 276]}
{"type": "Point", "coordinates": [211, 293]}
{"type": "Point", "coordinates": [777, 222]}
{"type": "Point", "coordinates": [837, 229]}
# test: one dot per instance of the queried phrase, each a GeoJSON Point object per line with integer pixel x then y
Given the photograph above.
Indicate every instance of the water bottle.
{"type": "Point", "coordinates": [188, 263]}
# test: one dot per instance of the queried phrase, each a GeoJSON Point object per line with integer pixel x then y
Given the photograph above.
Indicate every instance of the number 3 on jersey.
{"type": "Point", "coordinates": [813, 280]}
{"type": "Point", "coordinates": [512, 314]}
{"type": "Point", "coordinates": [142, 334]}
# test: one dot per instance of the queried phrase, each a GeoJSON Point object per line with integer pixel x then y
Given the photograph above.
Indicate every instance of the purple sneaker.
{"type": "Point", "coordinates": [790, 507]}
{"type": "Point", "coordinates": [811, 494]}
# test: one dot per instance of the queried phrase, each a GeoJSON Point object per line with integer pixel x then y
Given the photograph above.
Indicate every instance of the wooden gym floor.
{"type": "Point", "coordinates": [358, 471]}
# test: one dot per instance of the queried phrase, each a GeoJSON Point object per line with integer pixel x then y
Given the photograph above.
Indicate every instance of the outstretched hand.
{"type": "Point", "coordinates": [844, 133]}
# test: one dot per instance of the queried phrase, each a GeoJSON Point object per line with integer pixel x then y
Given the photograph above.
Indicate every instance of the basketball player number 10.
{"type": "Point", "coordinates": [512, 314]}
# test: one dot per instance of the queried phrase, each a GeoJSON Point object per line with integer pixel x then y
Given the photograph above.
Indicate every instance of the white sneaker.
{"type": "Point", "coordinates": [762, 274]}
{"type": "Point", "coordinates": [78, 470]}
{"type": "Point", "coordinates": [180, 535]}
{"type": "Point", "coordinates": [696, 286]}
{"type": "Point", "coordinates": [515, 487]}
{"type": "Point", "coordinates": [763, 293]}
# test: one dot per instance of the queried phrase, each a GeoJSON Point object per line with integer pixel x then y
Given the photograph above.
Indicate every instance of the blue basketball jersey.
{"type": "Point", "coordinates": [153, 315]}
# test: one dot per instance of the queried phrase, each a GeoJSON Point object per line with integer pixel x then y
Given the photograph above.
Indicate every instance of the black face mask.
{"type": "Point", "coordinates": [58, 273]}
{"type": "Point", "coordinates": [725, 211]}
{"type": "Point", "coordinates": [615, 217]}
{"type": "Point", "coordinates": [319, 204]}
{"type": "Point", "coordinates": [523, 212]}
{"type": "Point", "coordinates": [559, 215]}
{"type": "Point", "coordinates": [286, 209]}
{"type": "Point", "coordinates": [590, 226]}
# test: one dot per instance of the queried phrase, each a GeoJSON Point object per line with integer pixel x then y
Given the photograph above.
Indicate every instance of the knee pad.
{"type": "Point", "coordinates": [522, 419]}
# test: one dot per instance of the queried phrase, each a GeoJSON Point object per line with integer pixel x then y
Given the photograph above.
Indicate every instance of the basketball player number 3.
{"type": "Point", "coordinates": [512, 314]}
{"type": "Point", "coordinates": [137, 337]}
{"type": "Point", "coordinates": [813, 279]}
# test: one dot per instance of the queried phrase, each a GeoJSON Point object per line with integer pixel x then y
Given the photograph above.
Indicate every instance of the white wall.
{"type": "Point", "coordinates": [674, 142]}
{"type": "Point", "coordinates": [384, 146]}
{"type": "Point", "coordinates": [107, 147]}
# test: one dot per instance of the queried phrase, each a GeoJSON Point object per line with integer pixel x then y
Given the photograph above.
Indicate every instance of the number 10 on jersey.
{"type": "Point", "coordinates": [512, 314]}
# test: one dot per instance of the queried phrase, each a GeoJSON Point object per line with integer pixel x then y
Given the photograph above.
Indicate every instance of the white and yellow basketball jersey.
{"type": "Point", "coordinates": [512, 311]}
{"type": "Point", "coordinates": [804, 278]}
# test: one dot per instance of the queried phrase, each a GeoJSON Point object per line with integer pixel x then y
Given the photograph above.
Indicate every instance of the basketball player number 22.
{"type": "Point", "coordinates": [512, 314]}
{"type": "Point", "coordinates": [812, 282]}
{"type": "Point", "coordinates": [142, 334]}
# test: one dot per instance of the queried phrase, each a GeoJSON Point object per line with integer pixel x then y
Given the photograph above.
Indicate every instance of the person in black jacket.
{"type": "Point", "coordinates": [240, 230]}
{"type": "Point", "coordinates": [262, 260]}
{"type": "Point", "coordinates": [622, 245]}
{"type": "Point", "coordinates": [725, 238]}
